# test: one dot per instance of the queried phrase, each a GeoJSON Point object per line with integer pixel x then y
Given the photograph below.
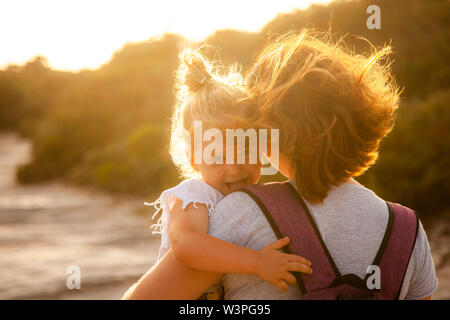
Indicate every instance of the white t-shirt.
{"type": "Point", "coordinates": [193, 191]}
{"type": "Point", "coordinates": [352, 221]}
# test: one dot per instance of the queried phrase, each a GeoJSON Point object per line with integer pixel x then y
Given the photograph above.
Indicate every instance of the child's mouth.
{"type": "Point", "coordinates": [236, 185]}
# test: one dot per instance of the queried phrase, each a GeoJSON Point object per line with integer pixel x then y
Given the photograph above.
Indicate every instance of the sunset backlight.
{"type": "Point", "coordinates": [74, 35]}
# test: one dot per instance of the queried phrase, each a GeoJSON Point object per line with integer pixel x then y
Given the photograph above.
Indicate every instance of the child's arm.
{"type": "Point", "coordinates": [193, 247]}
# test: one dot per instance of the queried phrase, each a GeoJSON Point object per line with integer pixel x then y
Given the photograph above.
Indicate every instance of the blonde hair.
{"type": "Point", "coordinates": [332, 107]}
{"type": "Point", "coordinates": [204, 93]}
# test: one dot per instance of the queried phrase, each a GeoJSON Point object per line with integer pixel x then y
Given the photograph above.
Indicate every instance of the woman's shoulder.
{"type": "Point", "coordinates": [237, 219]}
{"type": "Point", "coordinates": [237, 205]}
{"type": "Point", "coordinates": [352, 189]}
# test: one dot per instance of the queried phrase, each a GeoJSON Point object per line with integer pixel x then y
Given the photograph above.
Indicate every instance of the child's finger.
{"type": "Point", "coordinates": [300, 267]}
{"type": "Point", "coordinates": [282, 285]}
{"type": "Point", "coordinates": [299, 259]}
{"type": "Point", "coordinates": [278, 244]}
{"type": "Point", "coordinates": [289, 277]}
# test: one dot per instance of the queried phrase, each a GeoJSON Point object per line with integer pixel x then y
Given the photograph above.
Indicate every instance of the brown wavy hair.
{"type": "Point", "coordinates": [332, 106]}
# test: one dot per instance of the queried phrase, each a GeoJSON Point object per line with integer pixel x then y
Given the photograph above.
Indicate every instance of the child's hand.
{"type": "Point", "coordinates": [274, 266]}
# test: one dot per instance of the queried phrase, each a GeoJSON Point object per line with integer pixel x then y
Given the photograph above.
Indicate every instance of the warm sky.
{"type": "Point", "coordinates": [76, 34]}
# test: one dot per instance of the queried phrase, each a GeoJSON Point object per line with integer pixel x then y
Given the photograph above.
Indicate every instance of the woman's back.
{"type": "Point", "coordinates": [352, 221]}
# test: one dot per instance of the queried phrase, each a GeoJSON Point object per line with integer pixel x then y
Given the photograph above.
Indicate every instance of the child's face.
{"type": "Point", "coordinates": [228, 178]}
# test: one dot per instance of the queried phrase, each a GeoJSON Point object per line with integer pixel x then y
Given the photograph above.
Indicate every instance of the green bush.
{"type": "Point", "coordinates": [137, 164]}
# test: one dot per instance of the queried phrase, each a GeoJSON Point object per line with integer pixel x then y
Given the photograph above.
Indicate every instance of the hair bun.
{"type": "Point", "coordinates": [196, 71]}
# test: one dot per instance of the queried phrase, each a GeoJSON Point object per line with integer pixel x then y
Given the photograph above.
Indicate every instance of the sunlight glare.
{"type": "Point", "coordinates": [84, 34]}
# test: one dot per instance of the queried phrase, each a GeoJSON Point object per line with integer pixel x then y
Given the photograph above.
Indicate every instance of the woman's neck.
{"type": "Point", "coordinates": [288, 170]}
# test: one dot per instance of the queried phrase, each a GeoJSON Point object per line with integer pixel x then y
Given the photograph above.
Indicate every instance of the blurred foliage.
{"type": "Point", "coordinates": [414, 163]}
{"type": "Point", "coordinates": [110, 127]}
{"type": "Point", "coordinates": [134, 164]}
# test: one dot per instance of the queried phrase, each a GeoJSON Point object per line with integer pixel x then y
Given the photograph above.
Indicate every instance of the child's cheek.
{"type": "Point", "coordinates": [255, 173]}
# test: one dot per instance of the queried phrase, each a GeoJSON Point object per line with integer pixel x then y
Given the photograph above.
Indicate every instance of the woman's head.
{"type": "Point", "coordinates": [332, 107]}
{"type": "Point", "coordinates": [218, 101]}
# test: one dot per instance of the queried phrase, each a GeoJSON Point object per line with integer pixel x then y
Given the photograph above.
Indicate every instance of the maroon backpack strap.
{"type": "Point", "coordinates": [288, 215]}
{"type": "Point", "coordinates": [396, 249]}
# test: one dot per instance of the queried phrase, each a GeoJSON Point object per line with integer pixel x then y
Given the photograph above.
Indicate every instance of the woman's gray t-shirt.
{"type": "Point", "coordinates": [352, 221]}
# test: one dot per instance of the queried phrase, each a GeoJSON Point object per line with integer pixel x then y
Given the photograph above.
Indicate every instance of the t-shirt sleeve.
{"type": "Point", "coordinates": [188, 191]}
{"type": "Point", "coordinates": [422, 274]}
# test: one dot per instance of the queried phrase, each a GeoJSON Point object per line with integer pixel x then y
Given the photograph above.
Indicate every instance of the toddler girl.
{"type": "Point", "coordinates": [218, 102]}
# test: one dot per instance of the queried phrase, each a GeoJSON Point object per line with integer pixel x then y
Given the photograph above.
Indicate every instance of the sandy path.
{"type": "Point", "coordinates": [46, 228]}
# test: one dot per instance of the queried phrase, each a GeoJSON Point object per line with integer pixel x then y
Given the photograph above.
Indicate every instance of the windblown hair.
{"type": "Point", "coordinates": [204, 93]}
{"type": "Point", "coordinates": [332, 107]}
